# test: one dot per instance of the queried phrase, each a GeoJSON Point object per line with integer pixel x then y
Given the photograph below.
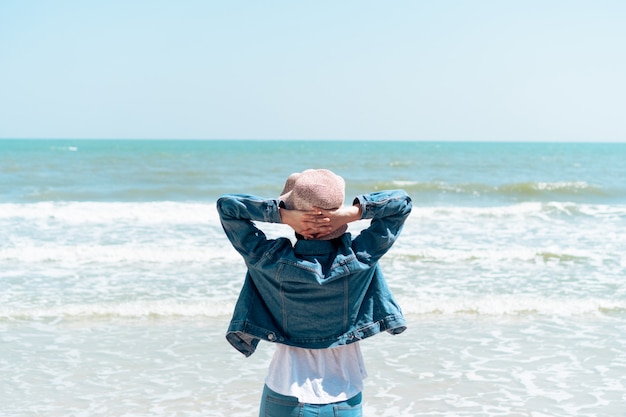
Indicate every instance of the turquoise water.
{"type": "Point", "coordinates": [116, 280]}
{"type": "Point", "coordinates": [437, 173]}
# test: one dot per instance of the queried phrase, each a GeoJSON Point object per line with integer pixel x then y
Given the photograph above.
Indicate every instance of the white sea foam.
{"type": "Point", "coordinates": [510, 305]}
{"type": "Point", "coordinates": [111, 212]}
{"type": "Point", "coordinates": [116, 254]}
{"type": "Point", "coordinates": [445, 252]}
{"type": "Point", "coordinates": [200, 212]}
{"type": "Point", "coordinates": [525, 209]}
{"type": "Point", "coordinates": [132, 309]}
{"type": "Point", "coordinates": [491, 255]}
{"type": "Point", "coordinates": [414, 308]}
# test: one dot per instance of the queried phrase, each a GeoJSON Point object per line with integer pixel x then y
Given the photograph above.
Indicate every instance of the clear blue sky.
{"type": "Point", "coordinates": [409, 70]}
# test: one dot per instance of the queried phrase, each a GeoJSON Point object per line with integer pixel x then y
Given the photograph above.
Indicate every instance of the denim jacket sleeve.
{"type": "Point", "coordinates": [388, 211]}
{"type": "Point", "coordinates": [238, 212]}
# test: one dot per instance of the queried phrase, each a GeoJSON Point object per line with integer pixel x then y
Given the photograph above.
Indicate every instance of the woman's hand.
{"type": "Point", "coordinates": [309, 224]}
{"type": "Point", "coordinates": [319, 222]}
{"type": "Point", "coordinates": [336, 218]}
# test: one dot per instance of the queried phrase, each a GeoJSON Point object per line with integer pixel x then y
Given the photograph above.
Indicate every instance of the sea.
{"type": "Point", "coordinates": [117, 282]}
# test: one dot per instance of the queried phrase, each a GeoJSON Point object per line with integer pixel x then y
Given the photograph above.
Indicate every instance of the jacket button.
{"type": "Point", "coordinates": [271, 337]}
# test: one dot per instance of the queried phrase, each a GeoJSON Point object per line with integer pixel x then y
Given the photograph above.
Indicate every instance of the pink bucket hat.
{"type": "Point", "coordinates": [315, 188]}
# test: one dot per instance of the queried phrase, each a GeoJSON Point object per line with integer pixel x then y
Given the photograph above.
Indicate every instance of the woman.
{"type": "Point", "coordinates": [315, 299]}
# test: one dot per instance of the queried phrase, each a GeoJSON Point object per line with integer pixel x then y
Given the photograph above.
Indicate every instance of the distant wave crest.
{"type": "Point", "coordinates": [522, 190]}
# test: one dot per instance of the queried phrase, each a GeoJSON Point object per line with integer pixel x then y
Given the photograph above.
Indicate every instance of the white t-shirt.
{"type": "Point", "coordinates": [317, 376]}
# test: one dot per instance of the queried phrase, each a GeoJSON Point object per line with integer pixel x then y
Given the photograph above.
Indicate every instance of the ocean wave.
{"type": "Point", "coordinates": [133, 309]}
{"type": "Point", "coordinates": [200, 251]}
{"type": "Point", "coordinates": [205, 212]}
{"type": "Point", "coordinates": [108, 212]}
{"type": "Point", "coordinates": [559, 187]}
{"type": "Point", "coordinates": [524, 209]}
{"type": "Point", "coordinates": [511, 305]}
{"type": "Point", "coordinates": [502, 305]}
{"type": "Point", "coordinates": [520, 254]}
{"type": "Point", "coordinates": [520, 190]}
{"type": "Point", "coordinates": [64, 148]}
{"type": "Point", "coordinates": [118, 254]}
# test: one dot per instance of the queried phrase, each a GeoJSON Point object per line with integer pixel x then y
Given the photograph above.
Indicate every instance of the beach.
{"type": "Point", "coordinates": [117, 281]}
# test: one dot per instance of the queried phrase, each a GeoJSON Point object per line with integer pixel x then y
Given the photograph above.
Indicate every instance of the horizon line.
{"type": "Point", "coordinates": [623, 141]}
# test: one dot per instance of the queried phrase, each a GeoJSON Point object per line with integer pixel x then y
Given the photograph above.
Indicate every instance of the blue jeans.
{"type": "Point", "coordinates": [274, 404]}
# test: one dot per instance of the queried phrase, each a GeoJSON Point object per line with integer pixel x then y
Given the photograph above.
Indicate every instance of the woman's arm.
{"type": "Point", "coordinates": [388, 211]}
{"type": "Point", "coordinates": [238, 214]}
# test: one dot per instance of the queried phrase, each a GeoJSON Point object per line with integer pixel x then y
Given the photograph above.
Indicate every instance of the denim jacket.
{"type": "Point", "coordinates": [317, 293]}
